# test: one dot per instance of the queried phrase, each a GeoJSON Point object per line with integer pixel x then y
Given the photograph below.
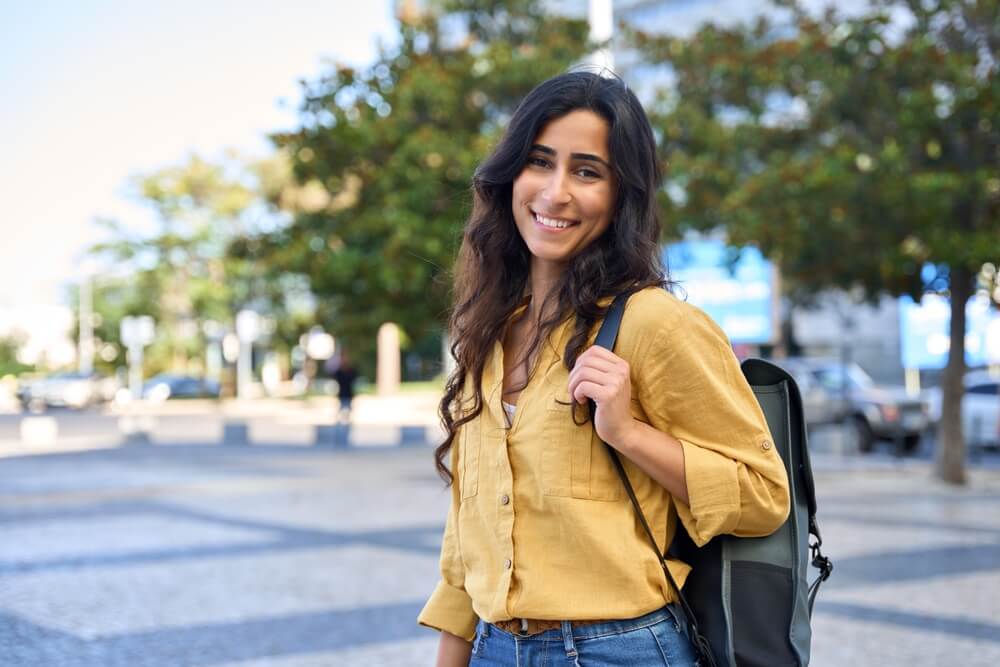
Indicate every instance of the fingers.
{"type": "Point", "coordinates": [595, 352]}
{"type": "Point", "coordinates": [598, 357]}
{"type": "Point", "coordinates": [611, 383]}
{"type": "Point", "coordinates": [602, 360]}
{"type": "Point", "coordinates": [601, 368]}
{"type": "Point", "coordinates": [587, 389]}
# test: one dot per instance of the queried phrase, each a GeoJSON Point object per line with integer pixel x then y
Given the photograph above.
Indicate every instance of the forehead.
{"type": "Point", "coordinates": [580, 131]}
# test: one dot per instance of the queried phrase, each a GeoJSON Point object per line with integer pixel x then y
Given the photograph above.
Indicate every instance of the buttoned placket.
{"type": "Point", "coordinates": [497, 429]}
{"type": "Point", "coordinates": [493, 392]}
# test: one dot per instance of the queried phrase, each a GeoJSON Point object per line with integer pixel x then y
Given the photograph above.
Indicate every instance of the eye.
{"type": "Point", "coordinates": [538, 161]}
{"type": "Point", "coordinates": [587, 172]}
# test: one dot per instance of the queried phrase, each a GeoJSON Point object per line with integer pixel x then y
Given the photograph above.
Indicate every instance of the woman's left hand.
{"type": "Point", "coordinates": [601, 375]}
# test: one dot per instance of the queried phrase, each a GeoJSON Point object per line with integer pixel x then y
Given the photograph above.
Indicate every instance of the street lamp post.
{"type": "Point", "coordinates": [247, 330]}
{"type": "Point", "coordinates": [136, 333]}
{"type": "Point", "coordinates": [602, 24]}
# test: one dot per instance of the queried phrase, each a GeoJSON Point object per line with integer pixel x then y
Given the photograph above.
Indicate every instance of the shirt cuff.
{"type": "Point", "coordinates": [450, 609]}
{"type": "Point", "coordinates": [713, 491]}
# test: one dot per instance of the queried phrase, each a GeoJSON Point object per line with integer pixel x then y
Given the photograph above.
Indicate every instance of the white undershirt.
{"type": "Point", "coordinates": [508, 410]}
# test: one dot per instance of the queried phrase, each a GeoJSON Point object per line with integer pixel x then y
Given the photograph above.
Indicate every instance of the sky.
{"type": "Point", "coordinates": [95, 92]}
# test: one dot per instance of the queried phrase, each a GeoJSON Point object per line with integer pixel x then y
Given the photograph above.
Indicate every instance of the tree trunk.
{"type": "Point", "coordinates": [951, 440]}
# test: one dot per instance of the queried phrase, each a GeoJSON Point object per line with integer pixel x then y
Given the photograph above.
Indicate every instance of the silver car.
{"type": "Point", "coordinates": [980, 408]}
{"type": "Point", "coordinates": [835, 393]}
{"type": "Point", "coordinates": [70, 390]}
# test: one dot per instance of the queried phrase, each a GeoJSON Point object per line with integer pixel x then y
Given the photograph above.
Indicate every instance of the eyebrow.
{"type": "Point", "coordinates": [541, 148]}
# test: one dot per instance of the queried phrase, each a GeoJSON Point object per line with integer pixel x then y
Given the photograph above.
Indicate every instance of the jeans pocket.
{"type": "Point", "coordinates": [674, 644]}
{"type": "Point", "coordinates": [678, 618]}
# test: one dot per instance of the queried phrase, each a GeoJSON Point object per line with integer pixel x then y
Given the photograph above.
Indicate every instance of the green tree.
{"type": "Point", "coordinates": [388, 151]}
{"type": "Point", "coordinates": [183, 274]}
{"type": "Point", "coordinates": [852, 150]}
{"type": "Point", "coordinates": [9, 347]}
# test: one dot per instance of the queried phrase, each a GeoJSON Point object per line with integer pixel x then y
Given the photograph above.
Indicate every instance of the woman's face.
{"type": "Point", "coordinates": [564, 197]}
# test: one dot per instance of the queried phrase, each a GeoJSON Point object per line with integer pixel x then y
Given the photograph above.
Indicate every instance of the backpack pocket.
{"type": "Point", "coordinates": [761, 612]}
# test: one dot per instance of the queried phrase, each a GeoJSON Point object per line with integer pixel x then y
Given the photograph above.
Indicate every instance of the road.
{"type": "Point", "coordinates": [177, 554]}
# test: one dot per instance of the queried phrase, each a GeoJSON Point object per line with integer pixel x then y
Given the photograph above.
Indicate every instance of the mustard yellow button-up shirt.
{"type": "Point", "coordinates": [540, 525]}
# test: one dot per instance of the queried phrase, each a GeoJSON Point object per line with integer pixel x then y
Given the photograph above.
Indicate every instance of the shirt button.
{"type": "Point", "coordinates": [506, 564]}
{"type": "Point", "coordinates": [505, 499]}
{"type": "Point", "coordinates": [766, 445]}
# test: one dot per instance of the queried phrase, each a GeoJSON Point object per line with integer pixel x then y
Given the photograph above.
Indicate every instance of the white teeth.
{"type": "Point", "coordinates": [552, 222]}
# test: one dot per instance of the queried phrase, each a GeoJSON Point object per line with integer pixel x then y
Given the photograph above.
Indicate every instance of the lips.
{"type": "Point", "coordinates": [552, 223]}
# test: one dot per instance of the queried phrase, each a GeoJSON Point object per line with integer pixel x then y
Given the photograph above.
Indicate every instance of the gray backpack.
{"type": "Point", "coordinates": [748, 601]}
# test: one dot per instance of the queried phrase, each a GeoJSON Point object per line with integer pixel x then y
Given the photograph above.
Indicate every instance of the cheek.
{"type": "Point", "coordinates": [521, 190]}
{"type": "Point", "coordinates": [601, 205]}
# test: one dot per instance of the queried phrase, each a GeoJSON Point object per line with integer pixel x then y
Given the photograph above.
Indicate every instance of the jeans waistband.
{"type": "Point", "coordinates": [602, 629]}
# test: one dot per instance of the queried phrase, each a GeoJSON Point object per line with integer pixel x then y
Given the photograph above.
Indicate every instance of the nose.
{"type": "Point", "coordinates": [556, 189]}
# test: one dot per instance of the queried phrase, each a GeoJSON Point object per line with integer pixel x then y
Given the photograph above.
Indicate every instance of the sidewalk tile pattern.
{"type": "Point", "coordinates": [305, 557]}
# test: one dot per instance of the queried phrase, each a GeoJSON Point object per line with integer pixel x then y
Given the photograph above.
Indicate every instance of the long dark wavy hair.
{"type": "Point", "coordinates": [493, 263]}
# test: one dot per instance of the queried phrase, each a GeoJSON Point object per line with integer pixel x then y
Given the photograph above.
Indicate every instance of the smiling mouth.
{"type": "Point", "coordinates": [552, 223]}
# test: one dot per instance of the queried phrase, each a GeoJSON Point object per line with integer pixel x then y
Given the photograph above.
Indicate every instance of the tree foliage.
{"type": "Point", "coordinates": [182, 274]}
{"type": "Point", "coordinates": [388, 152]}
{"type": "Point", "coordinates": [852, 150]}
{"type": "Point", "coordinates": [9, 363]}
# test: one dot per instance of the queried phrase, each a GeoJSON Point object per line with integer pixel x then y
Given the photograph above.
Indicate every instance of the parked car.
{"type": "Point", "coordinates": [875, 412]}
{"type": "Point", "coordinates": [169, 385]}
{"type": "Point", "coordinates": [72, 390]}
{"type": "Point", "coordinates": [980, 408]}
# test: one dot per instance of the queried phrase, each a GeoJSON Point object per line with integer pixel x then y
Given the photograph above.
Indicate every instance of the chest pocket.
{"type": "Point", "coordinates": [470, 442]}
{"type": "Point", "coordinates": [574, 462]}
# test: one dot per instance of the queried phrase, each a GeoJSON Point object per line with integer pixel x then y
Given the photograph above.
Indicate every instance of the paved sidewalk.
{"type": "Point", "coordinates": [278, 556]}
{"type": "Point", "coordinates": [375, 421]}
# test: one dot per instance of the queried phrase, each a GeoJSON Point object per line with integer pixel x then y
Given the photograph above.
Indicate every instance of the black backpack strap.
{"type": "Point", "coordinates": [606, 337]}
{"type": "Point", "coordinates": [608, 333]}
{"type": "Point", "coordinates": [819, 561]}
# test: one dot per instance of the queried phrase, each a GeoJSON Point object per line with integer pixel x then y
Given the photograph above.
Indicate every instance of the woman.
{"type": "Point", "coordinates": [543, 560]}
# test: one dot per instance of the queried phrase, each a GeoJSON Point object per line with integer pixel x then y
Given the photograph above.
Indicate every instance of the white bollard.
{"type": "Point", "coordinates": [136, 429]}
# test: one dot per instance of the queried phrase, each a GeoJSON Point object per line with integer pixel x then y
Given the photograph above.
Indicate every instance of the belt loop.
{"type": "Point", "coordinates": [567, 630]}
{"type": "Point", "coordinates": [480, 627]}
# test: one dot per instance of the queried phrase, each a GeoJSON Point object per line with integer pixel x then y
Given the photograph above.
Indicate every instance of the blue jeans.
{"type": "Point", "coordinates": [658, 638]}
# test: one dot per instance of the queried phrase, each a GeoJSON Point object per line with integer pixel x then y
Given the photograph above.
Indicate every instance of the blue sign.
{"type": "Point", "coordinates": [734, 286]}
{"type": "Point", "coordinates": [924, 334]}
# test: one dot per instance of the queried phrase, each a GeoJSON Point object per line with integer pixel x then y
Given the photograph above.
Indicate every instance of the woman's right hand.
{"type": "Point", "coordinates": [453, 651]}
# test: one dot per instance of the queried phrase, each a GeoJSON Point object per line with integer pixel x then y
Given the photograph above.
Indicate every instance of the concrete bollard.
{"type": "Point", "coordinates": [333, 435]}
{"type": "Point", "coordinates": [412, 436]}
{"type": "Point", "coordinates": [235, 432]}
{"type": "Point", "coordinates": [136, 429]}
{"type": "Point", "coordinates": [39, 430]}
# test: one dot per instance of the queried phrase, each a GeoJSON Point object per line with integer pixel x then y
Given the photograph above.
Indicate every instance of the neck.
{"type": "Point", "coordinates": [543, 279]}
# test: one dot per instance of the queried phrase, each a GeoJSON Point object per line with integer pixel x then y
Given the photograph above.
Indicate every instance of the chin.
{"type": "Point", "coordinates": [550, 255]}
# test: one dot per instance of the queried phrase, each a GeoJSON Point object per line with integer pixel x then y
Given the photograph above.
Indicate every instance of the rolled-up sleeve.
{"type": "Point", "coordinates": [450, 607]}
{"type": "Point", "coordinates": [691, 387]}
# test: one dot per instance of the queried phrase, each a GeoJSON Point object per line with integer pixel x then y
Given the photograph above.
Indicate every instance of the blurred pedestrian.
{"type": "Point", "coordinates": [543, 560]}
{"type": "Point", "coordinates": [345, 376]}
